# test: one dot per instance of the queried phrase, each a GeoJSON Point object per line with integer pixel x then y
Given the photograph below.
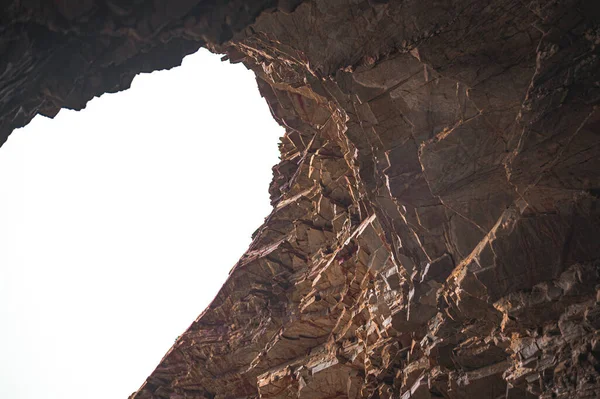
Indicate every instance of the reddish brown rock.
{"type": "Point", "coordinates": [436, 218]}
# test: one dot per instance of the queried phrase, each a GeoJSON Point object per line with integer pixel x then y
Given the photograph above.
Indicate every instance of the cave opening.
{"type": "Point", "coordinates": [119, 223]}
{"type": "Point", "coordinates": [435, 220]}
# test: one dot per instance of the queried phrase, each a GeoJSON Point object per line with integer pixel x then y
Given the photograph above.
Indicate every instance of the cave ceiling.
{"type": "Point", "coordinates": [435, 230]}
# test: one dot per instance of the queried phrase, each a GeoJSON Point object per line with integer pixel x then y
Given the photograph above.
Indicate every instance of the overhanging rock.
{"type": "Point", "coordinates": [436, 222]}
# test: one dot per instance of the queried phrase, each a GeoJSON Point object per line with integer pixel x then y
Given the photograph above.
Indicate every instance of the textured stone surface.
{"type": "Point", "coordinates": [436, 218]}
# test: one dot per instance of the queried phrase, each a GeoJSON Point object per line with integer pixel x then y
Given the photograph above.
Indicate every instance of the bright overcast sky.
{"type": "Point", "coordinates": [119, 223]}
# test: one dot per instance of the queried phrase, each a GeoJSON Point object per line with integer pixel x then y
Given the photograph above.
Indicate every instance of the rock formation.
{"type": "Point", "coordinates": [435, 230]}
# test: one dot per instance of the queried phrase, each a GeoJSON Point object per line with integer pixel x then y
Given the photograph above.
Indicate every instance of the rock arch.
{"type": "Point", "coordinates": [435, 214]}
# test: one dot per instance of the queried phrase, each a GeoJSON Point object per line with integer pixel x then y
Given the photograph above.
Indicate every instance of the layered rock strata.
{"type": "Point", "coordinates": [436, 218]}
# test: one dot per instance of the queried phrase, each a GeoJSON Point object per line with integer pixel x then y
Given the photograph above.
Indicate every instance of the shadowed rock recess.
{"type": "Point", "coordinates": [435, 230]}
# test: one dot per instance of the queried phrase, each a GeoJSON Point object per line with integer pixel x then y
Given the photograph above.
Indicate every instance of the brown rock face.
{"type": "Point", "coordinates": [436, 217]}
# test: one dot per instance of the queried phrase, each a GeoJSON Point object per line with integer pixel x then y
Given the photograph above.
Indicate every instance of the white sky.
{"type": "Point", "coordinates": [119, 223]}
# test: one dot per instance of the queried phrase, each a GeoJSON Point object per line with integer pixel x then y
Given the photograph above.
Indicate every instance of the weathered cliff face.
{"type": "Point", "coordinates": [436, 221]}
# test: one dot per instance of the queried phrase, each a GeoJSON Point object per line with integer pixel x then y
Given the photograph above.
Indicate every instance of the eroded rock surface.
{"type": "Point", "coordinates": [436, 218]}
